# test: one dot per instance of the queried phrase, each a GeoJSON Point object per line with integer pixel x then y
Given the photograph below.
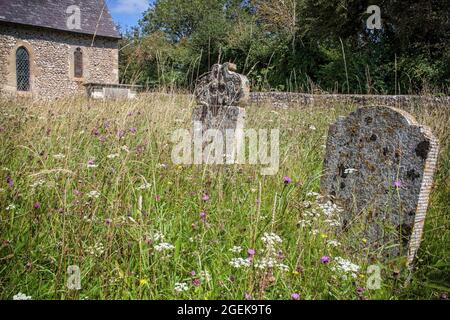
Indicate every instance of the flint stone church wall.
{"type": "Point", "coordinates": [52, 60]}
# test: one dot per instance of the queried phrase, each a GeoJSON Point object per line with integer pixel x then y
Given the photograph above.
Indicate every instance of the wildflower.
{"type": "Point", "coordinates": [192, 273]}
{"type": "Point", "coordinates": [270, 239]}
{"type": "Point", "coordinates": [350, 170]}
{"type": "Point", "coordinates": [96, 250]}
{"type": "Point", "coordinates": [240, 263]}
{"type": "Point", "coordinates": [181, 286]}
{"type": "Point", "coordinates": [133, 130]}
{"type": "Point", "coordinates": [9, 181]}
{"type": "Point", "coordinates": [37, 183]}
{"type": "Point", "coordinates": [59, 156]}
{"type": "Point", "coordinates": [95, 132]}
{"type": "Point", "coordinates": [248, 296]}
{"type": "Point", "coordinates": [125, 148]}
{"type": "Point", "coordinates": [236, 249]}
{"type": "Point", "coordinates": [295, 296]}
{"type": "Point", "coordinates": [397, 184]}
{"type": "Point", "coordinates": [37, 205]}
{"type": "Point", "coordinates": [108, 221]}
{"type": "Point", "coordinates": [203, 216]}
{"type": "Point", "coordinates": [11, 207]}
{"type": "Point", "coordinates": [164, 246]}
{"type": "Point", "coordinates": [21, 296]}
{"type": "Point", "coordinates": [344, 267]}
{"type": "Point", "coordinates": [287, 180]}
{"type": "Point", "coordinates": [143, 282]}
{"type": "Point", "coordinates": [325, 259]}
{"type": "Point", "coordinates": [91, 164]}
{"type": "Point", "coordinates": [444, 296]}
{"type": "Point", "coordinates": [205, 197]}
{"type": "Point", "coordinates": [113, 156]}
{"type": "Point", "coordinates": [251, 252]}
{"type": "Point", "coordinates": [144, 186]}
{"type": "Point", "coordinates": [156, 236]}
{"type": "Point", "coordinates": [333, 243]}
{"type": "Point", "coordinates": [158, 198]}
{"type": "Point", "coordinates": [196, 282]}
{"type": "Point", "coordinates": [360, 291]}
{"type": "Point", "coordinates": [94, 194]}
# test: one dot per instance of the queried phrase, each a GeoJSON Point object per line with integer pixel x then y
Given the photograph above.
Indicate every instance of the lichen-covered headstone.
{"type": "Point", "coordinates": [379, 167]}
{"type": "Point", "coordinates": [221, 95]}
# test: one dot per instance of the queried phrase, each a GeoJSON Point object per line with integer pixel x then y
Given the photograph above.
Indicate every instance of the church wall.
{"type": "Point", "coordinates": [52, 60]}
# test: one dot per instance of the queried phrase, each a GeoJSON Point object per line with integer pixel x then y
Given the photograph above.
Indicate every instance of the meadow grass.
{"type": "Point", "coordinates": [92, 184]}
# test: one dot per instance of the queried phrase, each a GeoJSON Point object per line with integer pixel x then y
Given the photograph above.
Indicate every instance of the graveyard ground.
{"type": "Point", "coordinates": [92, 184]}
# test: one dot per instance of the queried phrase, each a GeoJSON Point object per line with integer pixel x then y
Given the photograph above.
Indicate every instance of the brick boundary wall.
{"type": "Point", "coordinates": [284, 99]}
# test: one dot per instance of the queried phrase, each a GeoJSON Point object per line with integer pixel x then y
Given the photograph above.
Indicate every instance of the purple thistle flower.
{"type": "Point", "coordinates": [360, 290]}
{"type": "Point", "coordinates": [133, 130]}
{"type": "Point", "coordinates": [295, 296]}
{"type": "Point", "coordinates": [37, 205]}
{"type": "Point", "coordinates": [158, 198]}
{"type": "Point", "coordinates": [398, 184]}
{"type": "Point", "coordinates": [325, 259]}
{"type": "Point", "coordinates": [203, 216]}
{"type": "Point", "coordinates": [287, 180]}
{"type": "Point", "coordinates": [95, 132]}
{"type": "Point", "coordinates": [251, 252]}
{"type": "Point", "coordinates": [9, 181]}
{"type": "Point", "coordinates": [196, 282]}
{"type": "Point", "coordinates": [192, 273]}
{"type": "Point", "coordinates": [205, 197]}
{"type": "Point", "coordinates": [248, 296]}
{"type": "Point", "coordinates": [120, 134]}
{"type": "Point", "coordinates": [108, 221]}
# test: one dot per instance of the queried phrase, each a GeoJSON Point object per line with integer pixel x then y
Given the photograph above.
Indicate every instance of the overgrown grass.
{"type": "Point", "coordinates": [92, 184]}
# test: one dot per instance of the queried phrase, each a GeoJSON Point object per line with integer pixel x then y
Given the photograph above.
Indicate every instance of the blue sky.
{"type": "Point", "coordinates": [127, 13]}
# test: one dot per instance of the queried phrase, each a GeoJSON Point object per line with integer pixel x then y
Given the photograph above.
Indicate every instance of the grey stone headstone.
{"type": "Point", "coordinates": [221, 95]}
{"type": "Point", "coordinates": [379, 168]}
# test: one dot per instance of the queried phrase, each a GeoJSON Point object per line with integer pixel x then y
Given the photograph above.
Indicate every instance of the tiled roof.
{"type": "Point", "coordinates": [94, 15]}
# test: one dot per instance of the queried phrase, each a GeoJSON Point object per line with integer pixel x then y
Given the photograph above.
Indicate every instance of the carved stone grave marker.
{"type": "Point", "coordinates": [221, 95]}
{"type": "Point", "coordinates": [379, 167]}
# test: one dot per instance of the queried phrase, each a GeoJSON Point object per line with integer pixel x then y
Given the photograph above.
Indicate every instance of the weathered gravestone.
{"type": "Point", "coordinates": [221, 95]}
{"type": "Point", "coordinates": [379, 167]}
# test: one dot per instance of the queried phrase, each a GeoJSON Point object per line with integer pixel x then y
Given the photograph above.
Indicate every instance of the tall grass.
{"type": "Point", "coordinates": [92, 184]}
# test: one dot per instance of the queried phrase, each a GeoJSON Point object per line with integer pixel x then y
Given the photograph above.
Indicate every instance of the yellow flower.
{"type": "Point", "coordinates": [364, 240]}
{"type": "Point", "coordinates": [323, 235]}
{"type": "Point", "coordinates": [295, 273]}
{"type": "Point", "coordinates": [169, 183]}
{"type": "Point", "coordinates": [143, 282]}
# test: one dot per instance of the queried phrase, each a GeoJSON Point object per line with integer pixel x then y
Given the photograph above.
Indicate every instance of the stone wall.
{"type": "Point", "coordinates": [52, 62]}
{"type": "Point", "coordinates": [284, 99]}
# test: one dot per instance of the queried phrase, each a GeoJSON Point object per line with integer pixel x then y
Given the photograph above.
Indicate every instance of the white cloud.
{"type": "Point", "coordinates": [130, 6]}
